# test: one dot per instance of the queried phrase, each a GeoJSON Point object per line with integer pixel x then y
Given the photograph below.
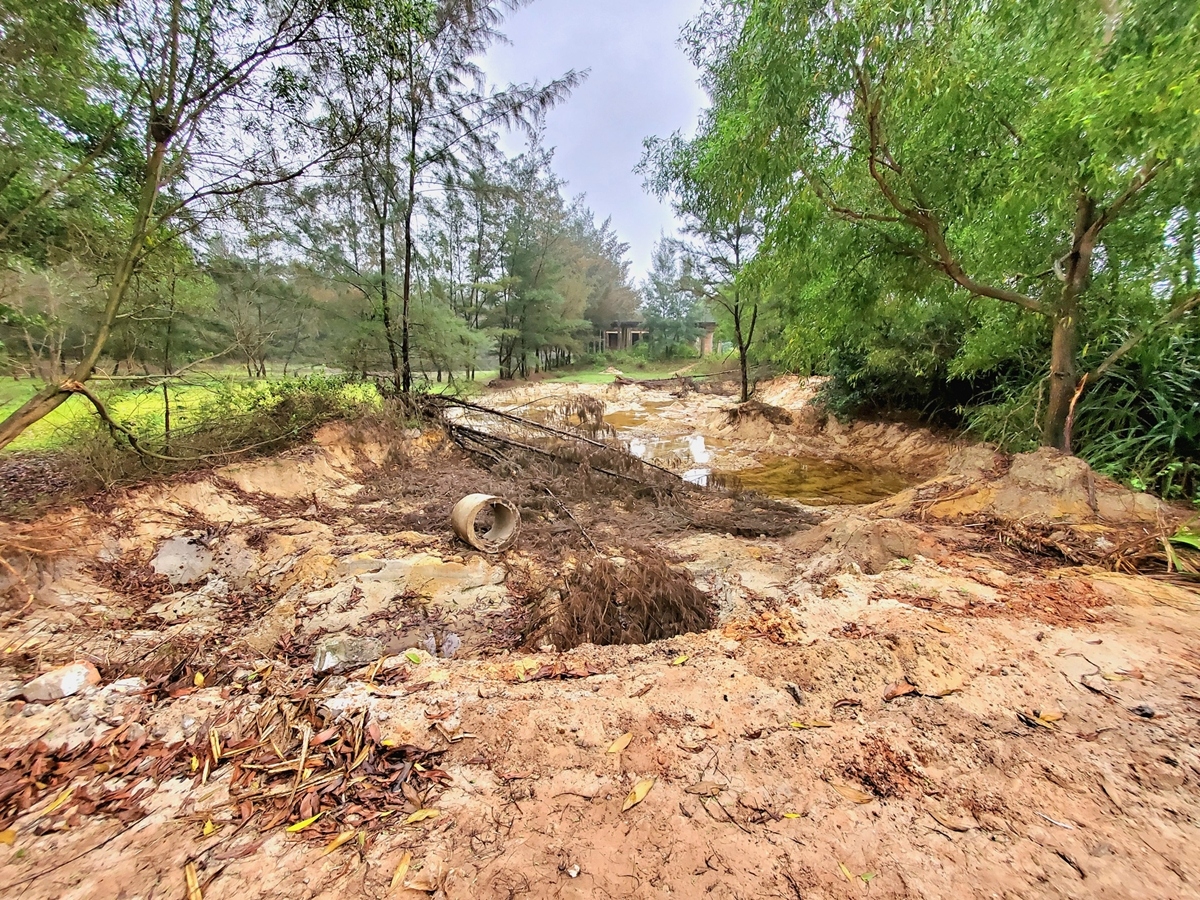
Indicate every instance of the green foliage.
{"type": "Point", "coordinates": [954, 194]}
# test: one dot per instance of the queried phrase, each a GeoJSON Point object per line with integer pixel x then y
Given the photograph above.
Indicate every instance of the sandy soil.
{"type": "Point", "coordinates": [904, 701]}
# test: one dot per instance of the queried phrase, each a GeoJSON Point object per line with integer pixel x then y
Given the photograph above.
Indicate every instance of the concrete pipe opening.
{"type": "Point", "coordinates": [487, 523]}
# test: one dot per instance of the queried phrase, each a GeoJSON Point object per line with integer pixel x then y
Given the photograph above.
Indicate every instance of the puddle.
{"type": "Point", "coordinates": [698, 457]}
{"type": "Point", "coordinates": [818, 482]}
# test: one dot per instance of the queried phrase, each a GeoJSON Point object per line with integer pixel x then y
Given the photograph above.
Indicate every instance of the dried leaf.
{"type": "Point", "coordinates": [706, 788]}
{"type": "Point", "coordinates": [209, 828]}
{"type": "Point", "coordinates": [852, 793]}
{"type": "Point", "coordinates": [638, 794]}
{"type": "Point", "coordinates": [341, 840]}
{"type": "Point", "coordinates": [847, 701]}
{"type": "Point", "coordinates": [846, 872]}
{"type": "Point", "coordinates": [195, 763]}
{"type": "Point", "coordinates": [214, 741]}
{"type": "Point", "coordinates": [58, 801]}
{"type": "Point", "coordinates": [899, 689]}
{"type": "Point", "coordinates": [421, 815]}
{"type": "Point", "coordinates": [817, 723]}
{"type": "Point", "coordinates": [193, 882]}
{"type": "Point", "coordinates": [791, 815]}
{"type": "Point", "coordinates": [198, 679]}
{"type": "Point", "coordinates": [620, 743]}
{"type": "Point", "coordinates": [401, 870]}
{"type": "Point", "coordinates": [680, 660]}
{"type": "Point", "coordinates": [959, 825]}
{"type": "Point", "coordinates": [940, 626]}
{"type": "Point", "coordinates": [300, 826]}
{"type": "Point", "coordinates": [8, 837]}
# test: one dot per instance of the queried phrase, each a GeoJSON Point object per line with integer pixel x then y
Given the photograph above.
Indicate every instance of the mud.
{"type": "Point", "coordinates": [920, 697]}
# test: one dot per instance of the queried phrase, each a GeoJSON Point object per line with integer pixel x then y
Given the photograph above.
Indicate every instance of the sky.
{"type": "Point", "coordinates": [641, 84]}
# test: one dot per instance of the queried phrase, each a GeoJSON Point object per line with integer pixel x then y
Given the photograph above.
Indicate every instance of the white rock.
{"type": "Point", "coordinates": [65, 681]}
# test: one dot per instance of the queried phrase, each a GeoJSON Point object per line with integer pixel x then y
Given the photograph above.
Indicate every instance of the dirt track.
{"type": "Point", "coordinates": [1039, 740]}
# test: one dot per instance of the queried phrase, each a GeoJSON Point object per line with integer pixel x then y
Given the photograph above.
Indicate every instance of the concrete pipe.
{"type": "Point", "coordinates": [506, 522]}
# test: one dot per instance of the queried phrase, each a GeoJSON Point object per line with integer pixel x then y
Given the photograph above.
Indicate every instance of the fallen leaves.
{"type": "Point", "coordinates": [706, 788]}
{"type": "Point", "coordinates": [421, 815]}
{"type": "Point", "coordinates": [340, 841]}
{"type": "Point", "coordinates": [680, 660]}
{"type": "Point", "coordinates": [951, 822]}
{"type": "Point", "coordinates": [192, 880]}
{"type": "Point", "coordinates": [638, 794]}
{"type": "Point", "coordinates": [815, 723]}
{"type": "Point", "coordinates": [401, 870]}
{"type": "Point", "coordinates": [8, 836]}
{"type": "Point", "coordinates": [620, 743]}
{"type": "Point", "coordinates": [852, 793]}
{"type": "Point", "coordinates": [304, 823]}
{"type": "Point", "coordinates": [1041, 719]}
{"type": "Point", "coordinates": [899, 689]}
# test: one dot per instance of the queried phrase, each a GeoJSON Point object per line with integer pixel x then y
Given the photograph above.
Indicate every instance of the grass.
{"type": "Point", "coordinates": [141, 409]}
{"type": "Point", "coordinates": [635, 369]}
{"type": "Point", "coordinates": [197, 400]}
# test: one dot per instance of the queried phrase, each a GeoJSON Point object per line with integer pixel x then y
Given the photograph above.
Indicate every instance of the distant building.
{"type": "Point", "coordinates": [626, 335]}
{"type": "Point", "coordinates": [623, 335]}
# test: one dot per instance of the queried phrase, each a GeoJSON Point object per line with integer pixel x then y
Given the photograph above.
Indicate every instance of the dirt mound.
{"type": "Point", "coordinates": [1045, 487]}
{"type": "Point", "coordinates": [854, 543]}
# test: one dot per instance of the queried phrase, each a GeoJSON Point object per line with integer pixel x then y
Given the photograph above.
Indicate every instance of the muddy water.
{"type": "Point", "coordinates": [819, 482]}
{"type": "Point", "coordinates": [810, 480]}
{"type": "Point", "coordinates": [655, 431]}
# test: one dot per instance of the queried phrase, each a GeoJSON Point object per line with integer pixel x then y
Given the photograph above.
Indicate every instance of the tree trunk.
{"type": "Point", "coordinates": [1064, 376]}
{"type": "Point", "coordinates": [406, 371]}
{"type": "Point", "coordinates": [1064, 345]}
{"type": "Point", "coordinates": [52, 396]}
{"type": "Point", "coordinates": [398, 376]}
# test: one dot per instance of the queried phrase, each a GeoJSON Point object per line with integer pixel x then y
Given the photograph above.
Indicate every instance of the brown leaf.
{"type": "Point", "coordinates": [401, 870]}
{"type": "Point", "coordinates": [193, 882]}
{"type": "Point", "coordinates": [340, 841]}
{"type": "Point", "coordinates": [421, 815]}
{"type": "Point", "coordinates": [954, 824]}
{"type": "Point", "coordinates": [638, 794]}
{"type": "Point", "coordinates": [620, 743]}
{"type": "Point", "coordinates": [706, 788]}
{"type": "Point", "coordinates": [852, 793]}
{"type": "Point", "coordinates": [899, 689]}
{"type": "Point", "coordinates": [847, 701]}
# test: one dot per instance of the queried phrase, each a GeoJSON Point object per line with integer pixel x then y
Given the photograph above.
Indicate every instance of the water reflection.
{"type": "Point", "coordinates": [814, 481]}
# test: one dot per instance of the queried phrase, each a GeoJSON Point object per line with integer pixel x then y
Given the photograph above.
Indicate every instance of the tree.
{"type": "Point", "coordinates": [205, 87]}
{"type": "Point", "coordinates": [722, 219]}
{"type": "Point", "coordinates": [412, 74]}
{"type": "Point", "coordinates": [1062, 182]}
{"type": "Point", "coordinates": [669, 309]}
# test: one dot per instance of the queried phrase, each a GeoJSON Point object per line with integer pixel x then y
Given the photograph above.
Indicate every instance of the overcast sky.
{"type": "Point", "coordinates": [640, 84]}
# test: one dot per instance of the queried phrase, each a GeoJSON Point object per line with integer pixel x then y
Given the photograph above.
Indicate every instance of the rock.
{"type": "Point", "coordinates": [182, 560]}
{"type": "Point", "coordinates": [345, 651]}
{"type": "Point", "coordinates": [65, 681]}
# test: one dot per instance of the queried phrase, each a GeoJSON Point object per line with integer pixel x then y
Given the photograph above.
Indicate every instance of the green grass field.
{"type": "Point", "coordinates": [228, 392]}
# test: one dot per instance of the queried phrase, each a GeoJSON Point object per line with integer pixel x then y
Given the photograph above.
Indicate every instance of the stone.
{"type": "Point", "coordinates": [345, 651]}
{"type": "Point", "coordinates": [182, 560]}
{"type": "Point", "coordinates": [65, 681]}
